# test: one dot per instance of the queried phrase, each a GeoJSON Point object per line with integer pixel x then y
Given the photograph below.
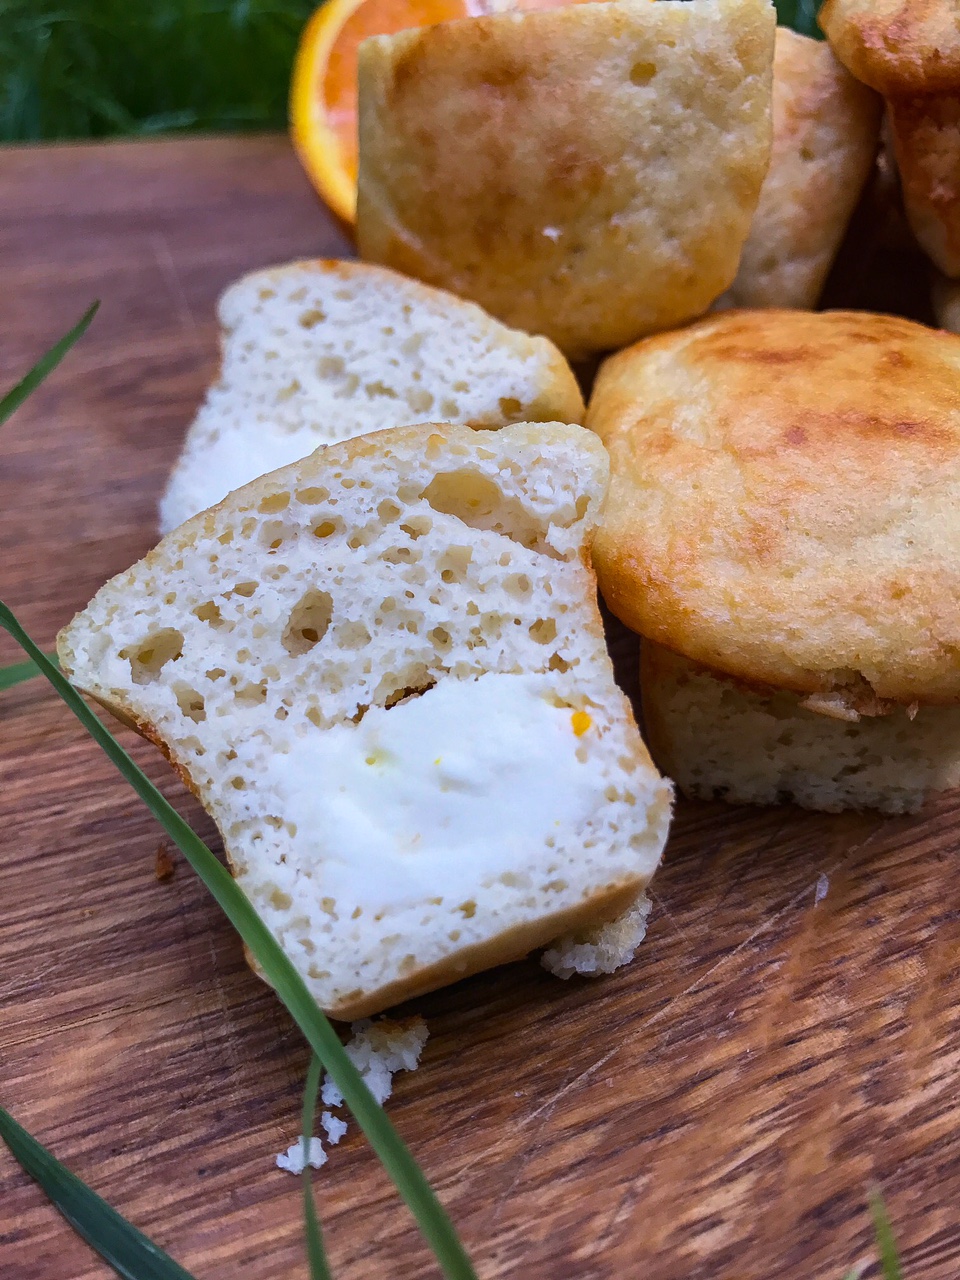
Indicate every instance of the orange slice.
{"type": "Point", "coordinates": [323, 92]}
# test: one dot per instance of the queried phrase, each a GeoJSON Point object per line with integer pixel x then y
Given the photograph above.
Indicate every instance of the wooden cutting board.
{"type": "Point", "coordinates": [788, 1036]}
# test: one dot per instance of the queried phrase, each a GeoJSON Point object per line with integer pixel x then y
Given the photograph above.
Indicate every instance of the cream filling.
{"type": "Point", "coordinates": [439, 795]}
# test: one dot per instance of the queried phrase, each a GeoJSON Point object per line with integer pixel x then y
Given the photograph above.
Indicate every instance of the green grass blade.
{"type": "Point", "coordinates": [117, 1241]}
{"type": "Point", "coordinates": [786, 16]}
{"type": "Point", "coordinates": [17, 672]}
{"type": "Point", "coordinates": [407, 1175]}
{"type": "Point", "coordinates": [92, 68]}
{"type": "Point", "coordinates": [311, 1223]}
{"type": "Point", "coordinates": [45, 365]}
{"type": "Point", "coordinates": [886, 1245]}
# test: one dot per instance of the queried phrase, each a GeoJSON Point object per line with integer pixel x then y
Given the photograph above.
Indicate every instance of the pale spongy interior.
{"type": "Point", "coordinates": [719, 740]}
{"type": "Point", "coordinates": [356, 579]}
{"type": "Point", "coordinates": [316, 352]}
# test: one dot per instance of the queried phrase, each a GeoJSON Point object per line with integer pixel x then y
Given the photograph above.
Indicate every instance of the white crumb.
{"type": "Point", "coordinates": [600, 950]}
{"type": "Point", "coordinates": [822, 889]}
{"type": "Point", "coordinates": [296, 1158]}
{"type": "Point", "coordinates": [333, 1127]}
{"type": "Point", "coordinates": [330, 1095]}
{"type": "Point", "coordinates": [379, 1050]}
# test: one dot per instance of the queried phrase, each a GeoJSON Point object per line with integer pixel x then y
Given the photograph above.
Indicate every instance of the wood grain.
{"type": "Point", "coordinates": [719, 1109]}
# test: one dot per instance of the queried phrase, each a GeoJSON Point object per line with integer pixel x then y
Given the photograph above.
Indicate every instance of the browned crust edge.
{"type": "Point", "coordinates": [510, 945]}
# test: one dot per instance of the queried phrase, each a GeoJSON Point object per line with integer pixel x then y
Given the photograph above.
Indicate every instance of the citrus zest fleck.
{"type": "Point", "coordinates": [581, 723]}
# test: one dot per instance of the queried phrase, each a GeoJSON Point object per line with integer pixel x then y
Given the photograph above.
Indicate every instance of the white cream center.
{"type": "Point", "coordinates": [439, 795]}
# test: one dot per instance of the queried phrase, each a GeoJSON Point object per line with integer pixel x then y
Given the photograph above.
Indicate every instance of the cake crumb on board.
{"type": "Point", "coordinates": [378, 1050]}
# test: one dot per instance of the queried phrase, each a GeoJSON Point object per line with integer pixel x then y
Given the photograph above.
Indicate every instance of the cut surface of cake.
{"type": "Point", "coordinates": [383, 672]}
{"type": "Point", "coordinates": [719, 739]}
{"type": "Point", "coordinates": [318, 351]}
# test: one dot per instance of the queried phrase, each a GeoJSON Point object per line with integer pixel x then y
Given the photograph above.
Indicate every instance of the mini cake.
{"type": "Point", "coordinates": [783, 513]}
{"type": "Point", "coordinates": [587, 172]}
{"type": "Point", "coordinates": [909, 50]}
{"type": "Point", "coordinates": [383, 672]}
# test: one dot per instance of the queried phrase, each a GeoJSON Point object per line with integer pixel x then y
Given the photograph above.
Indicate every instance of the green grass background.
{"type": "Point", "coordinates": [96, 68]}
{"type": "Point", "coordinates": [99, 68]}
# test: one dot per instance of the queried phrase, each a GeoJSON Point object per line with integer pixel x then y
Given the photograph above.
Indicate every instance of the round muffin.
{"type": "Point", "coordinates": [785, 501]}
{"type": "Point", "coordinates": [896, 46]}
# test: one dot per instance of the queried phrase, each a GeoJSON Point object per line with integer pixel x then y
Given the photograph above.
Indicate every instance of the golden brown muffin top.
{"type": "Point", "coordinates": [785, 500]}
{"type": "Point", "coordinates": [897, 46]}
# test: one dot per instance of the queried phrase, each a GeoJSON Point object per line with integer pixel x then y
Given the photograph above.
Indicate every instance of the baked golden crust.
{"type": "Point", "coordinates": [507, 947]}
{"type": "Point", "coordinates": [896, 46]}
{"type": "Point", "coordinates": [784, 501]}
{"type": "Point", "coordinates": [826, 128]}
{"type": "Point", "coordinates": [588, 172]}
